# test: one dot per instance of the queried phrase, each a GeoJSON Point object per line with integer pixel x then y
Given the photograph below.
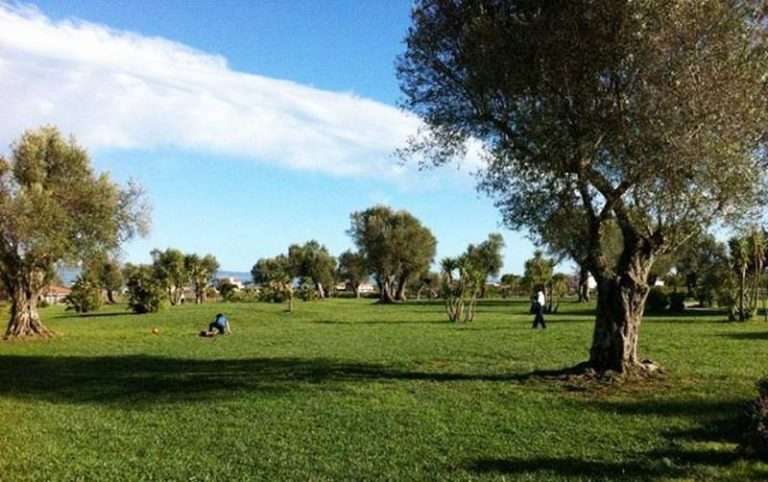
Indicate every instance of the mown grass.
{"type": "Point", "coordinates": [348, 390]}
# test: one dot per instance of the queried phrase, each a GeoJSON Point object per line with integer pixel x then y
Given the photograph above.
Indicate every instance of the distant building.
{"type": "Point", "coordinates": [54, 294]}
{"type": "Point", "coordinates": [229, 280]}
{"type": "Point", "coordinates": [364, 288]}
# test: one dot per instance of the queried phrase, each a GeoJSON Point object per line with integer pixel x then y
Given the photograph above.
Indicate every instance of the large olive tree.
{"type": "Point", "coordinates": [312, 260]}
{"type": "Point", "coordinates": [54, 208]}
{"type": "Point", "coordinates": [646, 113]}
{"type": "Point", "coordinates": [396, 248]}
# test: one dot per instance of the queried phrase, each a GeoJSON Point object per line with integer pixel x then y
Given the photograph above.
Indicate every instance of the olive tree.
{"type": "Point", "coordinates": [650, 114]}
{"type": "Point", "coordinates": [396, 248]}
{"type": "Point", "coordinates": [54, 208]}
{"type": "Point", "coordinates": [313, 261]}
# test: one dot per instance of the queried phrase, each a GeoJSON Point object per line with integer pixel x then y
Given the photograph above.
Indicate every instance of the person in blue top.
{"type": "Point", "coordinates": [220, 323]}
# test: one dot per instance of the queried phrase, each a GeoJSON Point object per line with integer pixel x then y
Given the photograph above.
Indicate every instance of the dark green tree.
{"type": "Point", "coordinates": [353, 270]}
{"type": "Point", "coordinates": [54, 208]}
{"type": "Point", "coordinates": [146, 293]}
{"type": "Point", "coordinates": [312, 260]}
{"type": "Point", "coordinates": [648, 114]}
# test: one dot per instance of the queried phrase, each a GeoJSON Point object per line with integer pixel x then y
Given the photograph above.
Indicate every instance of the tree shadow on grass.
{"type": "Point", "coordinates": [381, 322]}
{"type": "Point", "coordinates": [140, 380]}
{"type": "Point", "coordinates": [71, 315]}
{"type": "Point", "coordinates": [747, 336]}
{"type": "Point", "coordinates": [571, 467]}
{"type": "Point", "coordinates": [719, 422]}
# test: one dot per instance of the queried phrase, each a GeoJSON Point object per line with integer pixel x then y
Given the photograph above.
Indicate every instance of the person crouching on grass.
{"type": "Point", "coordinates": [219, 325]}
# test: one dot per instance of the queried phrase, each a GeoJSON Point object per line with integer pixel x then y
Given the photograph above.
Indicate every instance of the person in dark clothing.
{"type": "Point", "coordinates": [538, 309]}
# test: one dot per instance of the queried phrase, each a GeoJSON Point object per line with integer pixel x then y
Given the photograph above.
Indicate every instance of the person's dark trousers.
{"type": "Point", "coordinates": [539, 318]}
{"type": "Point", "coordinates": [218, 327]}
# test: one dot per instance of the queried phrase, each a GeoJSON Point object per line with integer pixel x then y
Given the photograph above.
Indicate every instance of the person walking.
{"type": "Point", "coordinates": [538, 309]}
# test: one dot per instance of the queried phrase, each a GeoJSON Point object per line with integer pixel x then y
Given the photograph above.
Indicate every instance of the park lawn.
{"type": "Point", "coordinates": [350, 390]}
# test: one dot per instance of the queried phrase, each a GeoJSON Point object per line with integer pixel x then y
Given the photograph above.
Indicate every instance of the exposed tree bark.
{"type": "Point", "coordinates": [356, 288]}
{"type": "Point", "coordinates": [320, 290]}
{"type": "Point", "coordinates": [583, 284]}
{"type": "Point", "coordinates": [386, 294]}
{"type": "Point", "coordinates": [621, 297]}
{"type": "Point", "coordinates": [111, 297]}
{"type": "Point", "coordinates": [401, 286]}
{"type": "Point", "coordinates": [25, 319]}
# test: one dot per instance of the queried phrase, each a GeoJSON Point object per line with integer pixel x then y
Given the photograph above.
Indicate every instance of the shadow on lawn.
{"type": "Point", "coordinates": [719, 424]}
{"type": "Point", "coordinates": [142, 380]}
{"type": "Point", "coordinates": [759, 335]}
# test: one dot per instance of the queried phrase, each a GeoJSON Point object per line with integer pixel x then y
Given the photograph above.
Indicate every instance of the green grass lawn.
{"type": "Point", "coordinates": [348, 390]}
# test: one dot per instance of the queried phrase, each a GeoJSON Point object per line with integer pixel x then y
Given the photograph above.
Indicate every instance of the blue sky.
{"type": "Point", "coordinates": [252, 125]}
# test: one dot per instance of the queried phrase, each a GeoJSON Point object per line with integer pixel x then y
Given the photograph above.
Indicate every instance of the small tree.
{"type": "Point", "coordinates": [171, 272]}
{"type": "Point", "coordinates": [145, 291]}
{"type": "Point", "coordinates": [487, 256]}
{"type": "Point", "coordinates": [201, 272]}
{"type": "Point", "coordinates": [461, 282]}
{"type": "Point", "coordinates": [85, 295]}
{"type": "Point", "coordinates": [462, 279]}
{"type": "Point", "coordinates": [104, 269]}
{"type": "Point", "coordinates": [278, 274]}
{"type": "Point", "coordinates": [227, 291]}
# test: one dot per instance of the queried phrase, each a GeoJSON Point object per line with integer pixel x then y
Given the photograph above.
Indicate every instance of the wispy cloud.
{"type": "Point", "coordinates": [117, 89]}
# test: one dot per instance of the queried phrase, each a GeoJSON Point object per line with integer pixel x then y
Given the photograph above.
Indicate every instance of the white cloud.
{"type": "Point", "coordinates": [116, 89]}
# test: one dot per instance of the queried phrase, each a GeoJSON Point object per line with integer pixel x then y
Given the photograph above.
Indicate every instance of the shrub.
{"type": "Point", "coordinates": [677, 302]}
{"type": "Point", "coordinates": [145, 292]}
{"type": "Point", "coordinates": [270, 293]}
{"type": "Point", "coordinates": [245, 294]}
{"type": "Point", "coordinates": [228, 291]}
{"type": "Point", "coordinates": [307, 290]}
{"type": "Point", "coordinates": [85, 296]}
{"type": "Point", "coordinates": [755, 437]}
{"type": "Point", "coordinates": [657, 301]}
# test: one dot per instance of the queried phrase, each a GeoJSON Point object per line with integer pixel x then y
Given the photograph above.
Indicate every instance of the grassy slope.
{"type": "Point", "coordinates": [349, 390]}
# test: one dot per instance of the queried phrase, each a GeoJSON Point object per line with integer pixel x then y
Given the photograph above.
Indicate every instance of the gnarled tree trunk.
{"type": "Point", "coordinates": [401, 285]}
{"type": "Point", "coordinates": [385, 290]}
{"type": "Point", "coordinates": [25, 319]}
{"type": "Point", "coordinates": [620, 304]}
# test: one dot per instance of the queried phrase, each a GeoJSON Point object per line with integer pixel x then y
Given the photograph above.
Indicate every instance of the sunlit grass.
{"type": "Point", "coordinates": [348, 390]}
